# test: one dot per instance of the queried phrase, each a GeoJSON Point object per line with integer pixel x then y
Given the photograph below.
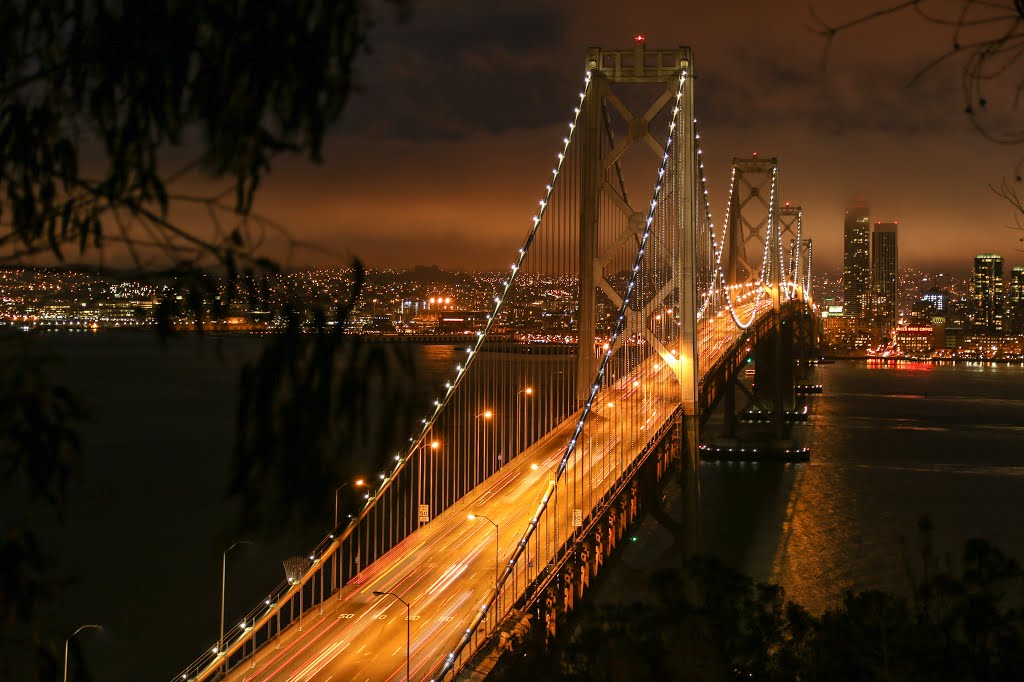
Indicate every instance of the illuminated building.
{"type": "Point", "coordinates": [856, 258]}
{"type": "Point", "coordinates": [1016, 302]}
{"type": "Point", "coordinates": [884, 262]}
{"type": "Point", "coordinates": [987, 293]}
{"type": "Point", "coordinates": [935, 301]}
{"type": "Point", "coordinates": [915, 341]}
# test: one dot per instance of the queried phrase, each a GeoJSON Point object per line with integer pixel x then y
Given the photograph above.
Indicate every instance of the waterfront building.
{"type": "Point", "coordinates": [938, 332]}
{"type": "Point", "coordinates": [884, 264]}
{"type": "Point", "coordinates": [856, 258]}
{"type": "Point", "coordinates": [987, 293]}
{"type": "Point", "coordinates": [1015, 304]}
{"type": "Point", "coordinates": [916, 341]}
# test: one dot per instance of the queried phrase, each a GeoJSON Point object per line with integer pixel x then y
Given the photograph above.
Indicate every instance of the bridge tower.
{"type": "Point", "coordinates": [623, 119]}
{"type": "Point", "coordinates": [791, 250]}
{"type": "Point", "coordinates": [806, 248]}
{"type": "Point", "coordinates": [764, 260]}
{"type": "Point", "coordinates": [750, 232]}
{"type": "Point", "coordinates": [806, 330]}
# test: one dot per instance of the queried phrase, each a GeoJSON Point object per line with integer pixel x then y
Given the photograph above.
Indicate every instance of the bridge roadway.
{"type": "Point", "coordinates": [445, 570]}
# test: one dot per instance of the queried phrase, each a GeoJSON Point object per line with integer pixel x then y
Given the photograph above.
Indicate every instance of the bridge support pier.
{"type": "Point", "coordinates": [689, 450]}
{"type": "Point", "coordinates": [805, 332]}
{"type": "Point", "coordinates": [771, 407]}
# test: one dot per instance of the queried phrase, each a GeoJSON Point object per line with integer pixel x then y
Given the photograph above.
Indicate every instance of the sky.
{"type": "Point", "coordinates": [441, 157]}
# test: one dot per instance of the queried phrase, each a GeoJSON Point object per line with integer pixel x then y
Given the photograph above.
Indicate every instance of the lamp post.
{"type": "Point", "coordinates": [358, 483]}
{"type": "Point", "coordinates": [68, 641]}
{"type": "Point", "coordinates": [223, 591]}
{"type": "Point", "coordinates": [487, 415]}
{"type": "Point", "coordinates": [473, 517]}
{"type": "Point", "coordinates": [528, 391]}
{"type": "Point", "coordinates": [434, 478]}
{"type": "Point", "coordinates": [408, 628]}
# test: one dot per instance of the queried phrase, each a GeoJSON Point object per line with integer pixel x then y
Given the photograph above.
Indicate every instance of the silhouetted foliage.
{"type": "Point", "coordinates": [39, 446]}
{"type": "Point", "coordinates": [967, 627]}
{"type": "Point", "coordinates": [111, 113]}
{"type": "Point", "coordinates": [312, 398]}
{"type": "Point", "coordinates": [986, 39]}
{"type": "Point", "coordinates": [95, 93]}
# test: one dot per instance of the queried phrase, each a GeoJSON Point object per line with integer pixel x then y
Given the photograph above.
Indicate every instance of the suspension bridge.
{"type": "Point", "coordinates": [622, 321]}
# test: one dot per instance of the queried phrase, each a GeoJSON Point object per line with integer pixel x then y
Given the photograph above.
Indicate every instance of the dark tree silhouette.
{"type": "Point", "coordinates": [965, 625]}
{"type": "Point", "coordinates": [111, 114]}
{"type": "Point", "coordinates": [986, 37]}
{"type": "Point", "coordinates": [986, 40]}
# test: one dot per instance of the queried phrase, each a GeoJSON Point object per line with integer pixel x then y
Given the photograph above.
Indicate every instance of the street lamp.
{"type": "Point", "coordinates": [223, 590]}
{"type": "Point", "coordinates": [358, 483]}
{"type": "Point", "coordinates": [473, 517]}
{"type": "Point", "coordinates": [534, 467]}
{"type": "Point", "coordinates": [487, 415]}
{"type": "Point", "coordinates": [68, 641]}
{"type": "Point", "coordinates": [437, 477]}
{"type": "Point", "coordinates": [408, 627]}
{"type": "Point", "coordinates": [528, 391]}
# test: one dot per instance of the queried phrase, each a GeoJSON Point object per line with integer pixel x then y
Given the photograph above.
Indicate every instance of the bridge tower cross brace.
{"type": "Point", "coordinates": [611, 68]}
{"type": "Point", "coordinates": [807, 251]}
{"type": "Point", "coordinates": [611, 72]}
{"type": "Point", "coordinates": [751, 222]}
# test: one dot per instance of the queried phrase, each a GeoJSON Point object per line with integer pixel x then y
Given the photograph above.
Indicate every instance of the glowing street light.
{"type": "Point", "coordinates": [527, 392]}
{"type": "Point", "coordinates": [358, 483]}
{"type": "Point", "coordinates": [487, 416]}
{"type": "Point", "coordinates": [408, 628]}
{"type": "Point", "coordinates": [534, 467]}
{"type": "Point", "coordinates": [338, 576]}
{"type": "Point", "coordinates": [473, 517]}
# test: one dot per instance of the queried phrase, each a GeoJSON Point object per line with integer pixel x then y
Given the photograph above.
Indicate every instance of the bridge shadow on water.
{"type": "Point", "coordinates": [744, 514]}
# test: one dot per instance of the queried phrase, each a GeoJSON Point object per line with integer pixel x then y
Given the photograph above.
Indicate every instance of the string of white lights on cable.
{"type": "Point", "coordinates": [618, 329]}
{"type": "Point", "coordinates": [499, 299]}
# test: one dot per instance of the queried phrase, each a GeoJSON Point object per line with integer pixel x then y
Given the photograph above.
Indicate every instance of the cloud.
{"type": "Point", "coordinates": [443, 158]}
{"type": "Point", "coordinates": [460, 67]}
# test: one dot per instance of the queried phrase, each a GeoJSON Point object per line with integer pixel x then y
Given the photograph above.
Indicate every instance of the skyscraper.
{"type": "Point", "coordinates": [1016, 303]}
{"type": "Point", "coordinates": [987, 293]}
{"type": "Point", "coordinates": [884, 263]}
{"type": "Point", "coordinates": [856, 258]}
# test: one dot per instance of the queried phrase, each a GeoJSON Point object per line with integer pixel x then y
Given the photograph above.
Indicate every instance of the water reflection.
{"type": "Point", "coordinates": [886, 449]}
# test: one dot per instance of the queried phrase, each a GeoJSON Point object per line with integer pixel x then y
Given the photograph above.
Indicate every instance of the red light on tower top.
{"type": "Point", "coordinates": [639, 37]}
